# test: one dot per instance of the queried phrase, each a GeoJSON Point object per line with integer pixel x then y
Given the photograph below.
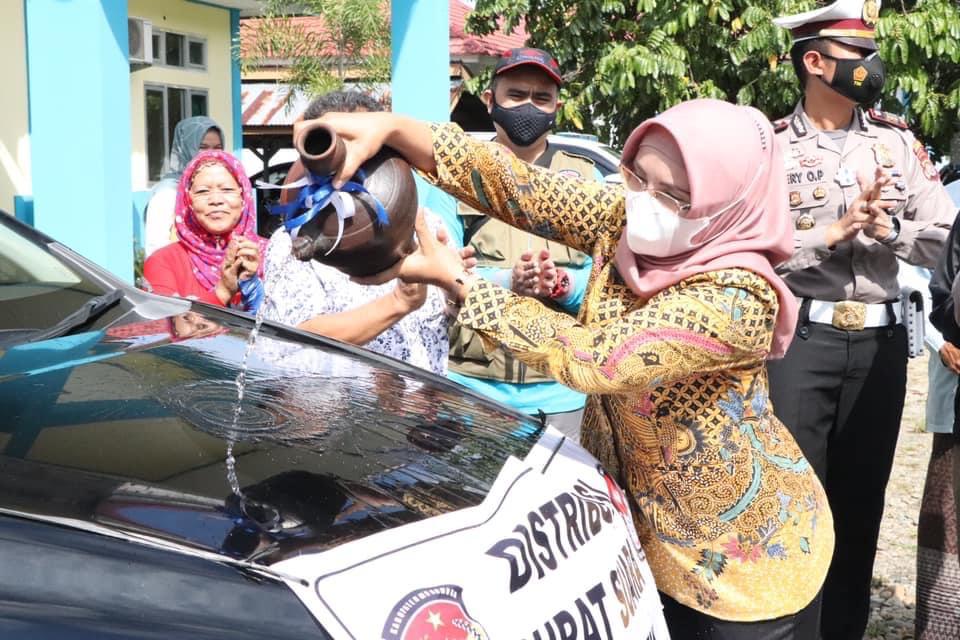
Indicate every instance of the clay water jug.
{"type": "Point", "coordinates": [368, 243]}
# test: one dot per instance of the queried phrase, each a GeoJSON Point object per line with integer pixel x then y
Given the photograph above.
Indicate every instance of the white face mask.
{"type": "Point", "coordinates": [655, 230]}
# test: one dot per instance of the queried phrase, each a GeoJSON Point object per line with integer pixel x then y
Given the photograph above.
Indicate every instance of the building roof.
{"type": "Point", "coordinates": [270, 104]}
{"type": "Point", "coordinates": [246, 7]}
{"type": "Point", "coordinates": [461, 43]}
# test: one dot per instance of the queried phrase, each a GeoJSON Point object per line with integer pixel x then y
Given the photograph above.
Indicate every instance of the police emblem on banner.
{"type": "Point", "coordinates": [433, 613]}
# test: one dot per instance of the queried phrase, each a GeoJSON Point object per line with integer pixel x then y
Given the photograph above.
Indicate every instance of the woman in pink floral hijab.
{"type": "Point", "coordinates": [218, 256]}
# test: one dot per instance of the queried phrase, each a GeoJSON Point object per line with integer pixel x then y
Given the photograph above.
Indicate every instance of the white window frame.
{"type": "Point", "coordinates": [189, 92]}
{"type": "Point", "coordinates": [203, 43]}
{"type": "Point", "coordinates": [160, 52]}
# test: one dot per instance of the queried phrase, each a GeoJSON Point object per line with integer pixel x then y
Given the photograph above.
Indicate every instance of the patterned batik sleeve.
{"type": "Point", "coordinates": [490, 179]}
{"type": "Point", "coordinates": [684, 330]}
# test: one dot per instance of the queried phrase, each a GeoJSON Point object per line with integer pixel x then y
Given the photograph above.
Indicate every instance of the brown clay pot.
{"type": "Point", "coordinates": [366, 246]}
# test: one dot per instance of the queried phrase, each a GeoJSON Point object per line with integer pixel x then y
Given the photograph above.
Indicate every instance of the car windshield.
{"type": "Point", "coordinates": [37, 289]}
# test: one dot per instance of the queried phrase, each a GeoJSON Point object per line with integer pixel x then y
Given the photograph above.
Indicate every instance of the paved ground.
{"type": "Point", "coordinates": [894, 574]}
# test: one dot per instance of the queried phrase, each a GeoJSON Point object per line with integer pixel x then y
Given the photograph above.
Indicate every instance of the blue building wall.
{"type": "Point", "coordinates": [79, 103]}
{"type": "Point", "coordinates": [420, 44]}
{"type": "Point", "coordinates": [236, 86]}
{"type": "Point", "coordinates": [79, 114]}
{"type": "Point", "coordinates": [420, 82]}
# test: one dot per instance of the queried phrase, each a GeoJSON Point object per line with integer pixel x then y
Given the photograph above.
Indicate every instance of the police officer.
{"type": "Point", "coordinates": [523, 100]}
{"type": "Point", "coordinates": [863, 193]}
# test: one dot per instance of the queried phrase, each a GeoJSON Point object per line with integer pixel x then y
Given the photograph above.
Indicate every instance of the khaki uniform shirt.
{"type": "Point", "coordinates": [822, 184]}
{"type": "Point", "coordinates": [499, 245]}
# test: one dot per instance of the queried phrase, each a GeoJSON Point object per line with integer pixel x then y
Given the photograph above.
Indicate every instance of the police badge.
{"type": "Point", "coordinates": [859, 75]}
{"type": "Point", "coordinates": [883, 155]}
{"type": "Point", "coordinates": [871, 13]}
{"type": "Point", "coordinates": [805, 222]}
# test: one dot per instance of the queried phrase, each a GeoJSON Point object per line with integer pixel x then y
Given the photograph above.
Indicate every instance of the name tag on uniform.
{"type": "Point", "coordinates": [804, 176]}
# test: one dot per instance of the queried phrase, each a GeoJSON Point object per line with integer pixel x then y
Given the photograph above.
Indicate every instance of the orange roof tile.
{"type": "Point", "coordinates": [461, 43]}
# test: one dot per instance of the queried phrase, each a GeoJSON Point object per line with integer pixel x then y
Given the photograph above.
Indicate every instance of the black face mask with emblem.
{"type": "Point", "coordinates": [523, 124]}
{"type": "Point", "coordinates": [859, 79]}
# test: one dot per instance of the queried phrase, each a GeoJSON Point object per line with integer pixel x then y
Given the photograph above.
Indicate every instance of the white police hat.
{"type": "Point", "coordinates": [851, 22]}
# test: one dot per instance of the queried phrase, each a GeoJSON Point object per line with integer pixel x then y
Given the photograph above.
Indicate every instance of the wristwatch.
{"type": "Point", "coordinates": [562, 287]}
{"type": "Point", "coordinates": [894, 233]}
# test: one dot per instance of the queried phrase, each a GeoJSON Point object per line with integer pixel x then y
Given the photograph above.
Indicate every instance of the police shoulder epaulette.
{"type": "Point", "coordinates": [890, 119]}
{"type": "Point", "coordinates": [780, 125]}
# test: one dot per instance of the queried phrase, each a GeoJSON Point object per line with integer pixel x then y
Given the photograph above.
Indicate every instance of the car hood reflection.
{"type": "Point", "coordinates": [128, 428]}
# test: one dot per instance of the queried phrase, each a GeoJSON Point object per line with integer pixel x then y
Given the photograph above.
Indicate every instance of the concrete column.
{"type": "Point", "coordinates": [420, 44]}
{"type": "Point", "coordinates": [79, 93]}
{"type": "Point", "coordinates": [420, 83]}
{"type": "Point", "coordinates": [236, 86]}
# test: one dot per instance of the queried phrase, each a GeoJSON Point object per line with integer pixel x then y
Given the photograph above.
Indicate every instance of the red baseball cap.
{"type": "Point", "coordinates": [528, 56]}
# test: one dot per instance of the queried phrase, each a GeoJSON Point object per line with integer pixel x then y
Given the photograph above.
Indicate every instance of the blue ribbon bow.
{"type": "Point", "coordinates": [316, 192]}
{"type": "Point", "coordinates": [251, 293]}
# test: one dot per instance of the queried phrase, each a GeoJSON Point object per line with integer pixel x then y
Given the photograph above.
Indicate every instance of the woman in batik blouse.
{"type": "Point", "coordinates": [682, 310]}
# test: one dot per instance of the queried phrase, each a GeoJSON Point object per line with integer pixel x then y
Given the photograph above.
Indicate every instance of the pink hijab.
{"type": "Point", "coordinates": [730, 153]}
{"type": "Point", "coordinates": [207, 250]}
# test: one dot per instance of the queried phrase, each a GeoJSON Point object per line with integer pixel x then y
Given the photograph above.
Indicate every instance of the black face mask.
{"type": "Point", "coordinates": [860, 79]}
{"type": "Point", "coordinates": [523, 124]}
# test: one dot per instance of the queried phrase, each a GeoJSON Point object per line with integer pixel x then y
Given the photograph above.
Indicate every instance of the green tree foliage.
{"type": "Point", "coordinates": [633, 58]}
{"type": "Point", "coordinates": [354, 43]}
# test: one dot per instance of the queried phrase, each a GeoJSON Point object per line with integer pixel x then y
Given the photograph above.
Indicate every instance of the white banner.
{"type": "Point", "coordinates": [550, 554]}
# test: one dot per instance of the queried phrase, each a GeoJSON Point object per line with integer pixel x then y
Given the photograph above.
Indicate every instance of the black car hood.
{"type": "Point", "coordinates": [127, 429]}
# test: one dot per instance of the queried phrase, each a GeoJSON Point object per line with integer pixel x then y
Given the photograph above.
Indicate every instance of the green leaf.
{"type": "Point", "coordinates": [635, 58]}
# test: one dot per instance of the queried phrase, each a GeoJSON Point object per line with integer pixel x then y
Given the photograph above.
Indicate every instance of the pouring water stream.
{"type": "Point", "coordinates": [241, 382]}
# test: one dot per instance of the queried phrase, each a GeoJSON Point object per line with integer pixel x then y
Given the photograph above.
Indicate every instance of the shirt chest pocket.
{"type": "Point", "coordinates": [899, 199]}
{"type": "Point", "coordinates": [809, 205]}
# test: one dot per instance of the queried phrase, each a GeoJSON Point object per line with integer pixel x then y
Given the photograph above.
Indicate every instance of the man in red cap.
{"type": "Point", "coordinates": [523, 99]}
{"type": "Point", "coordinates": [862, 193]}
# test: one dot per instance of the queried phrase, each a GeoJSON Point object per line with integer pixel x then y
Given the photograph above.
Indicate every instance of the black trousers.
{"type": "Point", "coordinates": [840, 393]}
{"type": "Point", "coordinates": [685, 623]}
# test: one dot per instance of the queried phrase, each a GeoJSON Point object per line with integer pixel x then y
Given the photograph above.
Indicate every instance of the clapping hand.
{"type": "Point", "coordinates": [534, 274]}
{"type": "Point", "coordinates": [867, 212]}
{"type": "Point", "coordinates": [241, 261]}
{"type": "Point", "coordinates": [881, 224]}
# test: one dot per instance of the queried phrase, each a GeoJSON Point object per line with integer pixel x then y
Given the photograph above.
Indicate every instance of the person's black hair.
{"type": "Point", "coordinates": [950, 173]}
{"type": "Point", "coordinates": [797, 52]}
{"type": "Point", "coordinates": [340, 101]}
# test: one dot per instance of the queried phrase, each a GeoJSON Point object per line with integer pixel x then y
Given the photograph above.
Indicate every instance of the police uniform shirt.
{"type": "Point", "coordinates": [822, 184]}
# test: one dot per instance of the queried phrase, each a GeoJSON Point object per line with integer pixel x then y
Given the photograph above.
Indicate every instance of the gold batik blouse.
{"type": "Point", "coordinates": [732, 518]}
